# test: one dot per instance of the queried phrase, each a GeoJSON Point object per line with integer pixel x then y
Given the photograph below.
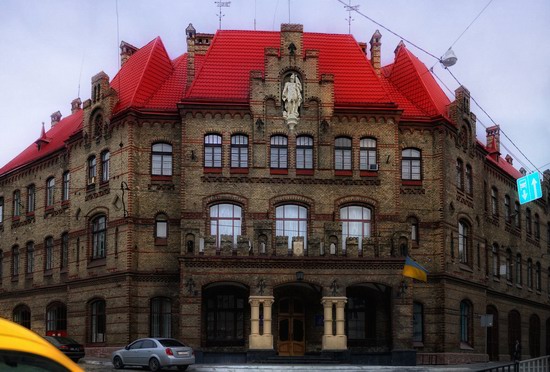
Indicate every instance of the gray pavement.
{"type": "Point", "coordinates": [104, 364]}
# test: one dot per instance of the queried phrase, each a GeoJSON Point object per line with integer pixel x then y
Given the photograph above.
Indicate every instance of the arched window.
{"type": "Point", "coordinates": [291, 221]}
{"type": "Point", "coordinates": [48, 253]}
{"type": "Point", "coordinates": [304, 152]}
{"type": "Point", "coordinates": [56, 318]}
{"type": "Point", "coordinates": [161, 159]}
{"type": "Point", "coordinates": [415, 233]}
{"type": "Point", "coordinates": [538, 277]}
{"type": "Point", "coordinates": [517, 215]}
{"type": "Point", "coordinates": [160, 317]}
{"type": "Point", "coordinates": [509, 265]}
{"type": "Point", "coordinates": [494, 201]}
{"type": "Point", "coordinates": [30, 258]}
{"type": "Point", "coordinates": [279, 152]}
{"type": "Point", "coordinates": [469, 181]}
{"type": "Point", "coordinates": [239, 151]}
{"type": "Point", "coordinates": [411, 168]}
{"type": "Point", "coordinates": [534, 336]}
{"type": "Point", "coordinates": [342, 153]}
{"type": "Point", "coordinates": [99, 237]}
{"type": "Point", "coordinates": [496, 261]}
{"type": "Point", "coordinates": [161, 226]}
{"type": "Point", "coordinates": [528, 225]}
{"type": "Point", "coordinates": [15, 261]}
{"type": "Point", "coordinates": [466, 322]}
{"type": "Point", "coordinates": [518, 269]}
{"type": "Point", "coordinates": [31, 198]}
{"type": "Point", "coordinates": [459, 174]}
{"type": "Point", "coordinates": [356, 222]}
{"type": "Point", "coordinates": [225, 219]}
{"type": "Point", "coordinates": [64, 251]}
{"type": "Point", "coordinates": [536, 225]}
{"type": "Point", "coordinates": [464, 243]}
{"type": "Point", "coordinates": [66, 186]}
{"type": "Point", "coordinates": [17, 203]}
{"type": "Point", "coordinates": [418, 322]}
{"type": "Point", "coordinates": [97, 321]}
{"type": "Point", "coordinates": [213, 151]}
{"type": "Point", "coordinates": [105, 157]}
{"type": "Point", "coordinates": [514, 329]}
{"type": "Point", "coordinates": [22, 315]}
{"type": "Point", "coordinates": [530, 273]}
{"type": "Point", "coordinates": [367, 154]}
{"type": "Point", "coordinates": [507, 208]}
{"type": "Point", "coordinates": [92, 170]}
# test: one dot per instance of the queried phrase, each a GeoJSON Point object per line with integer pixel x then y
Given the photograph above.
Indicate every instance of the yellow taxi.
{"type": "Point", "coordinates": [23, 350]}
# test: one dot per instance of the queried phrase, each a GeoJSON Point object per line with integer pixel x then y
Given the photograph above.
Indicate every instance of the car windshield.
{"type": "Point", "coordinates": [25, 362]}
{"type": "Point", "coordinates": [64, 340]}
{"type": "Point", "coordinates": [170, 343]}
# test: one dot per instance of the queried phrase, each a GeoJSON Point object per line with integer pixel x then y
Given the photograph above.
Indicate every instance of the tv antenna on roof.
{"type": "Point", "coordinates": [221, 4]}
{"type": "Point", "coordinates": [350, 8]}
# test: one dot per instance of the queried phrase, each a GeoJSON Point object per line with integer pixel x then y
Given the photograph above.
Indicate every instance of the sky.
{"type": "Point", "coordinates": [50, 49]}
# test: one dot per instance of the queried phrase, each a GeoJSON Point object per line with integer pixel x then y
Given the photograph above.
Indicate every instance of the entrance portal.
{"type": "Point", "coordinates": [291, 327]}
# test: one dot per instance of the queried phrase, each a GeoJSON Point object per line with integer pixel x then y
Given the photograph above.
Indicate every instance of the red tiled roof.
{"type": "Point", "coordinates": [233, 54]}
{"type": "Point", "coordinates": [412, 79]}
{"type": "Point", "coordinates": [142, 75]}
{"type": "Point", "coordinates": [54, 140]}
{"type": "Point", "coordinates": [505, 166]}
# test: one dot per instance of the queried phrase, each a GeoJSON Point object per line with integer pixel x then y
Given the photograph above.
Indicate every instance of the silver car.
{"type": "Point", "coordinates": [155, 353]}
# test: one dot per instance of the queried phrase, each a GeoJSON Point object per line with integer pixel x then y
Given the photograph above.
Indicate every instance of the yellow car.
{"type": "Point", "coordinates": [23, 350]}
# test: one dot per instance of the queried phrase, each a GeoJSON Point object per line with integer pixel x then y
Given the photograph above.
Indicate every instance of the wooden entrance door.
{"type": "Point", "coordinates": [291, 327]}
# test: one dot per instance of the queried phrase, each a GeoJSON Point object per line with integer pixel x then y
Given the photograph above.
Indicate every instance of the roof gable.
{"type": "Point", "coordinates": [54, 140]}
{"type": "Point", "coordinates": [413, 80]}
{"type": "Point", "coordinates": [142, 75]}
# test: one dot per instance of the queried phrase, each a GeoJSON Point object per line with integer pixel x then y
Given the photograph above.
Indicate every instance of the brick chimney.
{"type": "Point", "coordinates": [126, 51]}
{"type": "Point", "coordinates": [75, 105]}
{"type": "Point", "coordinates": [493, 141]}
{"type": "Point", "coordinates": [190, 33]}
{"type": "Point", "coordinates": [56, 117]}
{"type": "Point", "coordinates": [375, 46]}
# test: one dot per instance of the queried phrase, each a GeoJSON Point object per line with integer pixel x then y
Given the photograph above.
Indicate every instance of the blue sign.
{"type": "Point", "coordinates": [529, 188]}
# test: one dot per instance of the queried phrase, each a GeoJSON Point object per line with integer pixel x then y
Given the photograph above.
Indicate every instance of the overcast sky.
{"type": "Point", "coordinates": [50, 49]}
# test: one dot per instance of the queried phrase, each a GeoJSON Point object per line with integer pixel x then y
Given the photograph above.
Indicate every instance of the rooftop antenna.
{"type": "Point", "coordinates": [255, 4]}
{"type": "Point", "coordinates": [350, 8]}
{"type": "Point", "coordinates": [221, 4]}
{"type": "Point", "coordinates": [288, 11]}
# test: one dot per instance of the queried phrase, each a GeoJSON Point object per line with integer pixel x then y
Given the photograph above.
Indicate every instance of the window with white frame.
{"type": "Point", "coordinates": [291, 221]}
{"type": "Point", "coordinates": [161, 226]}
{"type": "Point", "coordinates": [356, 223]}
{"type": "Point", "coordinates": [225, 219]}
{"type": "Point", "coordinates": [92, 170]}
{"type": "Point", "coordinates": [213, 151]}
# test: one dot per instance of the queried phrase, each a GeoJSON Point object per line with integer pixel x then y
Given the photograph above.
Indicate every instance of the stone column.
{"type": "Point", "coordinates": [256, 340]}
{"type": "Point", "coordinates": [336, 341]}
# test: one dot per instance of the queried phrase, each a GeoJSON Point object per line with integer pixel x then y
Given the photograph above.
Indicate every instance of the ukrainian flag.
{"type": "Point", "coordinates": [412, 269]}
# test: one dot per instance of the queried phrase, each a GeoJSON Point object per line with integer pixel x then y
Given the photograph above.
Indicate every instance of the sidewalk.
{"type": "Point", "coordinates": [313, 367]}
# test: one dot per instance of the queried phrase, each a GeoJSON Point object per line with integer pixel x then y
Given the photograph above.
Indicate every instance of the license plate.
{"type": "Point", "coordinates": [183, 353]}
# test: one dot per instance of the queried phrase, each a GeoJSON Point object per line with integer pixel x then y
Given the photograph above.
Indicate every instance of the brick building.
{"type": "Point", "coordinates": [257, 197]}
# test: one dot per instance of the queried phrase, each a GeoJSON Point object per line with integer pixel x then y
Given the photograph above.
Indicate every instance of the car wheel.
{"type": "Point", "coordinates": [117, 363]}
{"type": "Point", "coordinates": [154, 364]}
{"type": "Point", "coordinates": [182, 368]}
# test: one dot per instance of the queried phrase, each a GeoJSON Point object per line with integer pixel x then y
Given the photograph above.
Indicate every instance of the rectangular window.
{"type": "Point", "coordinates": [279, 152]}
{"type": "Point", "coordinates": [31, 199]}
{"type": "Point", "coordinates": [304, 152]}
{"type": "Point", "coordinates": [418, 322]}
{"type": "Point", "coordinates": [30, 258]}
{"type": "Point", "coordinates": [48, 254]}
{"type": "Point", "coordinates": [66, 184]}
{"type": "Point", "coordinates": [367, 154]}
{"type": "Point", "coordinates": [342, 153]}
{"type": "Point", "coordinates": [239, 151]}
{"type": "Point", "coordinates": [105, 156]}
{"type": "Point", "coordinates": [213, 151]}
{"type": "Point", "coordinates": [92, 170]}
{"type": "Point", "coordinates": [16, 203]}
{"type": "Point", "coordinates": [411, 165]}
{"type": "Point", "coordinates": [50, 189]}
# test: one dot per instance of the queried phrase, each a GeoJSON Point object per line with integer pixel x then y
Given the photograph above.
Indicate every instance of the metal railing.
{"type": "Point", "coordinates": [541, 364]}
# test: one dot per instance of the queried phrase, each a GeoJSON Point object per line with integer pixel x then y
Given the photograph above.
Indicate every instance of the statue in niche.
{"type": "Point", "coordinates": [292, 97]}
